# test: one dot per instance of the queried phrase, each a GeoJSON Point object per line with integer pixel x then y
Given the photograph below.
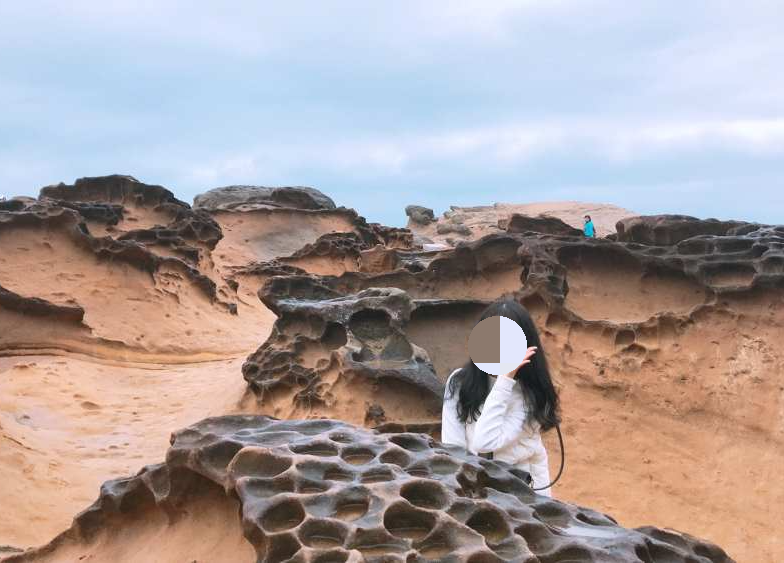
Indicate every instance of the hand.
{"type": "Point", "coordinates": [526, 360]}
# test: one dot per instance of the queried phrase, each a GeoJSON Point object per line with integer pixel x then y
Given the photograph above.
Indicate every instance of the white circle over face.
{"type": "Point", "coordinates": [499, 344]}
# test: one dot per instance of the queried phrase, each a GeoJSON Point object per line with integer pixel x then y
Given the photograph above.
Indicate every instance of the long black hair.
{"type": "Point", "coordinates": [472, 384]}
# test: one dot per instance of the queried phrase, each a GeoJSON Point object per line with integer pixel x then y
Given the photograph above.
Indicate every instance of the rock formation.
{"type": "Point", "coordinates": [246, 197]}
{"type": "Point", "coordinates": [667, 230]}
{"type": "Point", "coordinates": [125, 312]}
{"type": "Point", "coordinates": [346, 356]}
{"type": "Point", "coordinates": [420, 215]}
{"type": "Point", "coordinates": [519, 223]}
{"type": "Point", "coordinates": [463, 224]}
{"type": "Point", "coordinates": [323, 490]}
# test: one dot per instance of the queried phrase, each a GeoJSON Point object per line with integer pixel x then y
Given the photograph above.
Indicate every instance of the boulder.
{"type": "Point", "coordinates": [324, 490]}
{"type": "Point", "coordinates": [519, 223]}
{"type": "Point", "coordinates": [420, 215]}
{"type": "Point", "coordinates": [232, 197]}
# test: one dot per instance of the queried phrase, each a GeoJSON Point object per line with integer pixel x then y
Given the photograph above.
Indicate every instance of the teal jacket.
{"type": "Point", "coordinates": [589, 230]}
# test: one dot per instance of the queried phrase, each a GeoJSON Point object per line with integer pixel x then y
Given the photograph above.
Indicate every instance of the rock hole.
{"type": "Point", "coordinates": [377, 475]}
{"type": "Point", "coordinates": [334, 336]}
{"type": "Point", "coordinates": [444, 466]}
{"type": "Point", "coordinates": [624, 338]}
{"type": "Point", "coordinates": [490, 523]}
{"type": "Point", "coordinates": [309, 487]}
{"type": "Point", "coordinates": [435, 550]}
{"type": "Point", "coordinates": [592, 520]}
{"type": "Point", "coordinates": [283, 516]}
{"type": "Point", "coordinates": [419, 471]}
{"type": "Point", "coordinates": [370, 324]}
{"type": "Point", "coordinates": [265, 488]}
{"type": "Point", "coordinates": [410, 442]}
{"type": "Point", "coordinates": [552, 513]}
{"type": "Point", "coordinates": [323, 534]}
{"type": "Point", "coordinates": [350, 509]}
{"type": "Point", "coordinates": [258, 462]}
{"type": "Point", "coordinates": [536, 535]}
{"type": "Point", "coordinates": [378, 543]}
{"type": "Point", "coordinates": [281, 548]}
{"type": "Point", "coordinates": [425, 494]}
{"type": "Point", "coordinates": [407, 522]}
{"type": "Point", "coordinates": [338, 474]}
{"type": "Point", "coordinates": [398, 348]}
{"type": "Point", "coordinates": [321, 449]}
{"type": "Point", "coordinates": [334, 556]}
{"type": "Point", "coordinates": [315, 471]}
{"type": "Point", "coordinates": [341, 438]}
{"type": "Point", "coordinates": [357, 456]}
{"type": "Point", "coordinates": [218, 456]}
{"type": "Point", "coordinates": [396, 457]}
{"type": "Point", "coordinates": [438, 544]}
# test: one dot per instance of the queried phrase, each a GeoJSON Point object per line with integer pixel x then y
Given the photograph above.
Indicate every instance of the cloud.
{"type": "Point", "coordinates": [509, 145]}
{"type": "Point", "coordinates": [430, 99]}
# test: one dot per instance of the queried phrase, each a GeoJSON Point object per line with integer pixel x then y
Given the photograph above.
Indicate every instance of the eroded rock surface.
{"type": "Point", "coordinates": [420, 215]}
{"type": "Point", "coordinates": [322, 490]}
{"type": "Point", "coordinates": [671, 229]}
{"type": "Point", "coordinates": [233, 197]}
{"type": "Point", "coordinates": [678, 341]}
{"type": "Point", "coordinates": [463, 224]}
{"type": "Point", "coordinates": [345, 355]}
{"type": "Point", "coordinates": [519, 223]}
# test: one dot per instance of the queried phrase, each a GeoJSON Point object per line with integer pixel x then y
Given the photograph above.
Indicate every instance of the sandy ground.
{"type": "Point", "coordinates": [67, 424]}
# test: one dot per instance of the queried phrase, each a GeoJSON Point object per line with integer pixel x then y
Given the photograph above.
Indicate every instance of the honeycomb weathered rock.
{"type": "Point", "coordinates": [323, 490]}
{"type": "Point", "coordinates": [317, 343]}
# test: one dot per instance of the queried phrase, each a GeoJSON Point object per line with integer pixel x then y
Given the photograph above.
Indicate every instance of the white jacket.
{"type": "Point", "coordinates": [502, 428]}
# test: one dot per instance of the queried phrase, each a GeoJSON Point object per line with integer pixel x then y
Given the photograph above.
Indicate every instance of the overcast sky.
{"type": "Point", "coordinates": [657, 106]}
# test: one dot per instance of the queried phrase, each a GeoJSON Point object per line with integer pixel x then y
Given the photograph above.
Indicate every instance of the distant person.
{"type": "Point", "coordinates": [505, 415]}
{"type": "Point", "coordinates": [588, 229]}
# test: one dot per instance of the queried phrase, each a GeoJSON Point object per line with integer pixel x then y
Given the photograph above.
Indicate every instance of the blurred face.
{"type": "Point", "coordinates": [587, 218]}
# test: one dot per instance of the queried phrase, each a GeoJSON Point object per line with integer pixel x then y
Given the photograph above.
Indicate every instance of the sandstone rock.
{"type": "Point", "coordinates": [69, 223]}
{"type": "Point", "coordinates": [667, 230]}
{"type": "Point", "coordinates": [393, 237]}
{"type": "Point", "coordinates": [105, 200]}
{"type": "Point", "coordinates": [36, 307]}
{"type": "Point", "coordinates": [378, 260]}
{"type": "Point", "coordinates": [452, 227]}
{"type": "Point", "coordinates": [357, 338]}
{"type": "Point", "coordinates": [232, 197]}
{"type": "Point", "coordinates": [111, 189]}
{"type": "Point", "coordinates": [323, 490]}
{"type": "Point", "coordinates": [715, 264]}
{"type": "Point", "coordinates": [333, 245]}
{"type": "Point", "coordinates": [420, 215]}
{"type": "Point", "coordinates": [518, 223]}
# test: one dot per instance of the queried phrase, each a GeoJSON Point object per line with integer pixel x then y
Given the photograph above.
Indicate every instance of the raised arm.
{"type": "Point", "coordinates": [497, 428]}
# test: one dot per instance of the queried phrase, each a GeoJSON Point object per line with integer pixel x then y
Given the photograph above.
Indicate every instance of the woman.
{"type": "Point", "coordinates": [508, 419]}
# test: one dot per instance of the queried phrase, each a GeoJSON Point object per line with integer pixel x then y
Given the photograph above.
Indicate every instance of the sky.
{"type": "Point", "coordinates": [657, 106]}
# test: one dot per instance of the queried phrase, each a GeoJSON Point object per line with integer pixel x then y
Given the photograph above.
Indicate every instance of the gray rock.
{"type": "Point", "coordinates": [519, 223]}
{"type": "Point", "coordinates": [232, 197]}
{"type": "Point", "coordinates": [667, 230]}
{"type": "Point", "coordinates": [324, 490]}
{"type": "Point", "coordinates": [420, 215]}
{"type": "Point", "coordinates": [450, 227]}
